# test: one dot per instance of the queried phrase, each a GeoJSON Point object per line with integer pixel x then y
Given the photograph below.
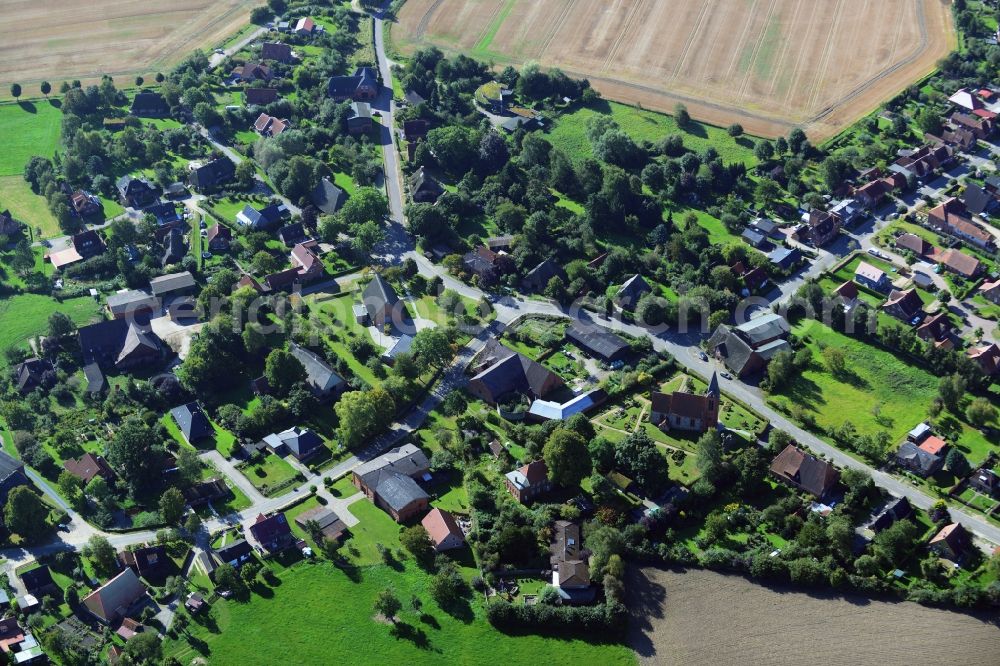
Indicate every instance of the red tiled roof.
{"type": "Point", "coordinates": [933, 445]}
{"type": "Point", "coordinates": [440, 525]}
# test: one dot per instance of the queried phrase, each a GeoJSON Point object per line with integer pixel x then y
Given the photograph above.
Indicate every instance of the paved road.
{"type": "Point", "coordinates": [216, 59]}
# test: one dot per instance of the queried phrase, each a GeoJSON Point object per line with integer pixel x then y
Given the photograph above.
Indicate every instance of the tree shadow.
{"type": "Point", "coordinates": [262, 590]}
{"type": "Point", "coordinates": [55, 102]}
{"type": "Point", "coordinates": [430, 620]}
{"type": "Point", "coordinates": [460, 609]}
{"type": "Point", "coordinates": [746, 142]}
{"type": "Point", "coordinates": [206, 621]}
{"type": "Point", "coordinates": [416, 635]}
{"type": "Point", "coordinates": [28, 106]}
{"type": "Point", "coordinates": [199, 645]}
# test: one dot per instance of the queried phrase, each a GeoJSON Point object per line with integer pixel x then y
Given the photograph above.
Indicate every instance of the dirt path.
{"type": "Point", "coordinates": [702, 617]}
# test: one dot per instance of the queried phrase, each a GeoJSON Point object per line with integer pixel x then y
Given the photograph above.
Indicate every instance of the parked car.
{"type": "Point", "coordinates": [703, 356]}
{"type": "Point", "coordinates": [726, 375]}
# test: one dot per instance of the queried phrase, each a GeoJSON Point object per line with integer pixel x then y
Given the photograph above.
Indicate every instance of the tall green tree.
{"type": "Point", "coordinates": [25, 513]}
{"type": "Point", "coordinates": [431, 348]}
{"type": "Point", "coordinates": [283, 371]}
{"type": "Point", "coordinates": [172, 506]}
{"type": "Point", "coordinates": [362, 414]}
{"type": "Point", "coordinates": [567, 457]}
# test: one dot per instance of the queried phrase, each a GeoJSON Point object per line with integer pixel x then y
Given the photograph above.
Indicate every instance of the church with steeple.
{"type": "Point", "coordinates": [683, 410]}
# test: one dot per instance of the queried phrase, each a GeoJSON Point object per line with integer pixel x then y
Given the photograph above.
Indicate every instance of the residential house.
{"type": "Point", "coordinates": [598, 341]}
{"type": "Point", "coordinates": [88, 467]}
{"type": "Point", "coordinates": [149, 562]}
{"type": "Point", "coordinates": [192, 423]}
{"type": "Point", "coordinates": [211, 175]}
{"type": "Point", "coordinates": [549, 410]}
{"type": "Point", "coordinates": [820, 227]}
{"type": "Point", "coordinates": [896, 510]}
{"type": "Point", "coordinates": [252, 71]}
{"type": "Point", "coordinates": [321, 379]}
{"type": "Point", "coordinates": [980, 127]}
{"type": "Point", "coordinates": [873, 278]}
{"type": "Point", "coordinates": [195, 602]}
{"type": "Point", "coordinates": [936, 330]}
{"type": "Point", "coordinates": [206, 491]}
{"type": "Point", "coordinates": [987, 357]}
{"type": "Point", "coordinates": [174, 249]}
{"type": "Point", "coordinates": [805, 471]}
{"type": "Point", "coordinates": [423, 188]}
{"type": "Point", "coordinates": [683, 410]}
{"type": "Point", "coordinates": [951, 542]}
{"type": "Point", "coordinates": [266, 125]}
{"type": "Point", "coordinates": [443, 530]}
{"type": "Point", "coordinates": [293, 234]}
{"type": "Point", "coordinates": [149, 104]}
{"type": "Point", "coordinates": [129, 628]}
{"type": "Point", "coordinates": [766, 226]}
{"type": "Point", "coordinates": [537, 279]}
{"type": "Point", "coordinates": [966, 99]}
{"type": "Point", "coordinates": [381, 303]}
{"type": "Point", "coordinates": [84, 204]}
{"type": "Point", "coordinates": [260, 96]}
{"type": "Point", "coordinates": [488, 266]}
{"type": "Point", "coordinates": [986, 481]}
{"type": "Point", "coordinates": [136, 192]}
{"type": "Point", "coordinates": [38, 582]}
{"type": "Point", "coordinates": [415, 130]}
{"type": "Point", "coordinates": [11, 475]}
{"type": "Point", "coordinates": [871, 194]}
{"type": "Point", "coordinates": [360, 121]}
{"type": "Point", "coordinates": [165, 214]}
{"type": "Point", "coordinates": [34, 373]}
{"type": "Point", "coordinates": [273, 533]}
{"type": "Point", "coordinates": [528, 482]}
{"type": "Point", "coordinates": [362, 86]}
{"type": "Point", "coordinates": [628, 295]}
{"type": "Point", "coordinates": [327, 197]}
{"type": "Point", "coordinates": [328, 523]}
{"type": "Point", "coordinates": [990, 290]}
{"type": "Point", "coordinates": [305, 27]}
{"type": "Point", "coordinates": [905, 305]}
{"type": "Point", "coordinates": [848, 292]}
{"type": "Point", "coordinates": [236, 553]}
{"type": "Point", "coordinates": [132, 303]}
{"type": "Point", "coordinates": [306, 262]}
{"type": "Point", "coordinates": [10, 228]}
{"type": "Point", "coordinates": [914, 244]}
{"type": "Point", "coordinates": [925, 161]}
{"type": "Point", "coordinates": [277, 52]}
{"type": "Point", "coordinates": [754, 238]}
{"type": "Point", "coordinates": [849, 211]}
{"type": "Point", "coordinates": [219, 237]}
{"type": "Point", "coordinates": [784, 258]}
{"type": "Point", "coordinates": [120, 344]}
{"type": "Point", "coordinates": [87, 244]}
{"type": "Point", "coordinates": [912, 457]}
{"type": "Point", "coordinates": [747, 348]}
{"type": "Point", "coordinates": [951, 217]}
{"type": "Point", "coordinates": [113, 600]}
{"type": "Point", "coordinates": [960, 263]}
{"type": "Point", "coordinates": [390, 481]}
{"type": "Point", "coordinates": [301, 443]}
{"type": "Point", "coordinates": [502, 373]}
{"type": "Point", "coordinates": [568, 560]}
{"type": "Point", "coordinates": [977, 200]}
{"type": "Point", "coordinates": [173, 284]}
{"type": "Point", "coordinates": [265, 219]}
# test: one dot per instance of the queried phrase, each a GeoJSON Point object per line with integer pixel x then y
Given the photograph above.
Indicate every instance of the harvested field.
{"type": "Point", "coordinates": [769, 64]}
{"type": "Point", "coordinates": [59, 40]}
{"type": "Point", "coordinates": [702, 617]}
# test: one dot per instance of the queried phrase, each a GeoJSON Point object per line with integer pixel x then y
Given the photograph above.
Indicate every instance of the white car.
{"type": "Point", "coordinates": [875, 253]}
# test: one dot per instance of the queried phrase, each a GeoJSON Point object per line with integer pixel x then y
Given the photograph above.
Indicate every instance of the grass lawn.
{"type": "Point", "coordinates": [876, 377]}
{"type": "Point", "coordinates": [345, 327]}
{"type": "Point", "coordinates": [27, 129]}
{"type": "Point", "coordinates": [268, 475]}
{"type": "Point", "coordinates": [27, 315]}
{"type": "Point", "coordinates": [256, 631]}
{"type": "Point", "coordinates": [25, 205]}
{"type": "Point", "coordinates": [570, 132]}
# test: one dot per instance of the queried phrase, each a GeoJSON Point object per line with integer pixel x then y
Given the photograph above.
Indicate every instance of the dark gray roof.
{"type": "Point", "coordinates": [175, 250]}
{"type": "Point", "coordinates": [213, 173]}
{"type": "Point", "coordinates": [149, 102]}
{"type": "Point", "coordinates": [633, 288]}
{"type": "Point", "coordinates": [37, 579]}
{"type": "Point", "coordinates": [301, 442]}
{"type": "Point", "coordinates": [131, 300]}
{"type": "Point", "coordinates": [753, 237]}
{"type": "Point", "coordinates": [267, 217]}
{"type": "Point", "coordinates": [398, 490]}
{"type": "Point", "coordinates": [321, 378]}
{"type": "Point", "coordinates": [290, 234]}
{"type": "Point", "coordinates": [192, 421]}
{"type": "Point", "coordinates": [164, 212]}
{"type": "Point", "coordinates": [9, 466]}
{"type": "Point", "coordinates": [513, 372]}
{"type": "Point", "coordinates": [912, 453]}
{"type": "Point", "coordinates": [597, 340]}
{"type": "Point", "coordinates": [327, 196]}
{"type": "Point", "coordinates": [32, 373]}
{"type": "Point", "coordinates": [976, 199]}
{"type": "Point", "coordinates": [108, 341]}
{"type": "Point", "coordinates": [763, 328]}
{"type": "Point", "coordinates": [171, 282]}
{"type": "Point", "coordinates": [734, 350]}
{"type": "Point", "coordinates": [538, 277]}
{"type": "Point", "coordinates": [378, 296]}
{"type": "Point", "coordinates": [95, 378]}
{"type": "Point", "coordinates": [234, 551]}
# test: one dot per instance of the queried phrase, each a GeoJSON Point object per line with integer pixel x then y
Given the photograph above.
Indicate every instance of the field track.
{"type": "Point", "coordinates": [768, 64]}
{"type": "Point", "coordinates": [59, 40]}
{"type": "Point", "coordinates": [702, 617]}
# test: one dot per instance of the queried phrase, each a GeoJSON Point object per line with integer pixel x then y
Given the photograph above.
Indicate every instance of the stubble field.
{"type": "Point", "coordinates": [769, 64]}
{"type": "Point", "coordinates": [59, 40]}
{"type": "Point", "coordinates": [703, 617]}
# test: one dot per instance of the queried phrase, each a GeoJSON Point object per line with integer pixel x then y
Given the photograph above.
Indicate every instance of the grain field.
{"type": "Point", "coordinates": [769, 64]}
{"type": "Point", "coordinates": [702, 617]}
